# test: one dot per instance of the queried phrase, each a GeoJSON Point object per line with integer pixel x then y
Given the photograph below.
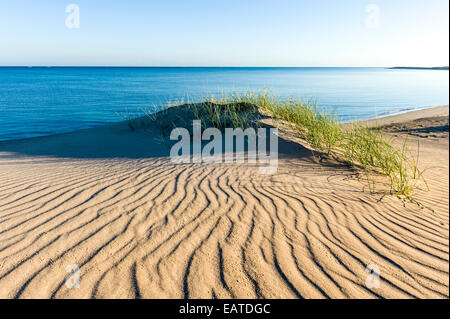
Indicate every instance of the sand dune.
{"type": "Point", "coordinates": [138, 226]}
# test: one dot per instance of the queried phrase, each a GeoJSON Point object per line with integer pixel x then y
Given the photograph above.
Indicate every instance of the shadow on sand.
{"type": "Point", "coordinates": [113, 141]}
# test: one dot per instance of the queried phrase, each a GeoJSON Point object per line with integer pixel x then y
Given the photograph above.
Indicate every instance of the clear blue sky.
{"type": "Point", "coordinates": [226, 33]}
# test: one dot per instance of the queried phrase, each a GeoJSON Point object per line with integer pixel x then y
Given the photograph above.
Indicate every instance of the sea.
{"type": "Point", "coordinates": [38, 101]}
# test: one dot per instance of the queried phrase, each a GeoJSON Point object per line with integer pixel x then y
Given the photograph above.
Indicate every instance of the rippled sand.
{"type": "Point", "coordinates": [109, 201]}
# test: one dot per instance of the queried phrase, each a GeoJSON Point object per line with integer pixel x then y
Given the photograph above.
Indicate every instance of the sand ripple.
{"type": "Point", "coordinates": [151, 229]}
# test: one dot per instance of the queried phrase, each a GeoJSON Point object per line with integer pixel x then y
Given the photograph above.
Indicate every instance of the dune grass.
{"type": "Point", "coordinates": [214, 112]}
{"type": "Point", "coordinates": [366, 149]}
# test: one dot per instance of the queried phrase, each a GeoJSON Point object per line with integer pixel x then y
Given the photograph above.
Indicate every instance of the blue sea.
{"type": "Point", "coordinates": [41, 101]}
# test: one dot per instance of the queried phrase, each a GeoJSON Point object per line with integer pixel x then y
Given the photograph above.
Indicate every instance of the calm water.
{"type": "Point", "coordinates": [42, 101]}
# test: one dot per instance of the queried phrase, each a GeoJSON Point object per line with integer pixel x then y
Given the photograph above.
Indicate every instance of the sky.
{"type": "Point", "coordinates": [285, 33]}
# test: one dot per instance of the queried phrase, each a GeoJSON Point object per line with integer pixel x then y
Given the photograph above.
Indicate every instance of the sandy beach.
{"type": "Point", "coordinates": [110, 201]}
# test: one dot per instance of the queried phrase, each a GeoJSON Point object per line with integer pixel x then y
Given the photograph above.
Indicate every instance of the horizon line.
{"type": "Point", "coordinates": [176, 66]}
{"type": "Point", "coordinates": [210, 66]}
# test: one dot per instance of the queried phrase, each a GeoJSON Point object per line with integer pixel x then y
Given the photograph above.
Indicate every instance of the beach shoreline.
{"type": "Point", "coordinates": [428, 112]}
{"type": "Point", "coordinates": [402, 116]}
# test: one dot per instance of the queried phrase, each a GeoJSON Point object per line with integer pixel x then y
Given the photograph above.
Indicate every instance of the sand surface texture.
{"type": "Point", "coordinates": [138, 226]}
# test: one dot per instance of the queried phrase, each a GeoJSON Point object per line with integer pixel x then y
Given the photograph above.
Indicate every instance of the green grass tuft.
{"type": "Point", "coordinates": [366, 149]}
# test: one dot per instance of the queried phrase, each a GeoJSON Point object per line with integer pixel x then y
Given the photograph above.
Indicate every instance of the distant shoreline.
{"type": "Point", "coordinates": [419, 68]}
